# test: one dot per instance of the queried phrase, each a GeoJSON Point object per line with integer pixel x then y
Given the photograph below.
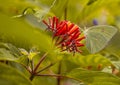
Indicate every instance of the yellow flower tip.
{"type": "Point", "coordinates": [32, 54]}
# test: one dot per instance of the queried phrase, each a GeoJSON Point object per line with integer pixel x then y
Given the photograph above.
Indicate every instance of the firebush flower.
{"type": "Point", "coordinates": [66, 33]}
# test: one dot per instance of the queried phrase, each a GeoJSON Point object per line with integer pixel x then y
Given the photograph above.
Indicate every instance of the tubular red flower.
{"type": "Point", "coordinates": [67, 34]}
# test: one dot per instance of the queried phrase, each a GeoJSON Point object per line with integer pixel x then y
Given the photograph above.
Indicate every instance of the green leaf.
{"type": "Point", "coordinates": [9, 52]}
{"type": "Point", "coordinates": [11, 76]}
{"type": "Point", "coordinates": [15, 7]}
{"type": "Point", "coordinates": [97, 37]}
{"type": "Point", "coordinates": [94, 77]}
{"type": "Point", "coordinates": [13, 50]}
{"type": "Point", "coordinates": [22, 35]}
{"type": "Point", "coordinates": [96, 62]}
{"type": "Point", "coordinates": [44, 80]}
{"type": "Point", "coordinates": [91, 62]}
{"type": "Point", "coordinates": [6, 55]}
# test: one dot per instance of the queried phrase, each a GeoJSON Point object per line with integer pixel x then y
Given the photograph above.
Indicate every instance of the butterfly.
{"type": "Point", "coordinates": [97, 37]}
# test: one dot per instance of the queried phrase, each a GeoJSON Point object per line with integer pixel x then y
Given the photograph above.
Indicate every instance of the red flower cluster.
{"type": "Point", "coordinates": [67, 34]}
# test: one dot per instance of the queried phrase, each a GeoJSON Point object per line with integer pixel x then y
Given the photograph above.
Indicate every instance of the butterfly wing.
{"type": "Point", "coordinates": [97, 37]}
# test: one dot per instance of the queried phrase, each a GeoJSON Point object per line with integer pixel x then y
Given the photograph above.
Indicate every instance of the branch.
{"type": "Point", "coordinates": [27, 68]}
{"type": "Point", "coordinates": [45, 68]}
{"type": "Point", "coordinates": [37, 66]}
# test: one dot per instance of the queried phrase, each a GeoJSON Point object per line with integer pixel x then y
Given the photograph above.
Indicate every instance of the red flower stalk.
{"type": "Point", "coordinates": [67, 34]}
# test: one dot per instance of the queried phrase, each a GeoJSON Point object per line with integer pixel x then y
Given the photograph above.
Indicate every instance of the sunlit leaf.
{"type": "Point", "coordinates": [91, 62]}
{"type": "Point", "coordinates": [15, 32]}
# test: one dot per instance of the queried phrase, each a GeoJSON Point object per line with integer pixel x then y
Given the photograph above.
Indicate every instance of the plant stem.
{"type": "Point", "coordinates": [32, 65]}
{"type": "Point", "coordinates": [37, 66]}
{"type": "Point", "coordinates": [59, 72]}
{"type": "Point", "coordinates": [27, 68]}
{"type": "Point", "coordinates": [65, 13]}
{"type": "Point", "coordinates": [31, 77]}
{"type": "Point", "coordinates": [33, 72]}
{"type": "Point", "coordinates": [45, 68]}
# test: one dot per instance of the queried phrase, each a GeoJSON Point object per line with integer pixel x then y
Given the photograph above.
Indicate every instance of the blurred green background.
{"type": "Point", "coordinates": [21, 25]}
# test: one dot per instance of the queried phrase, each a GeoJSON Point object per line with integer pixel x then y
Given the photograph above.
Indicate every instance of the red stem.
{"type": "Point", "coordinates": [40, 61]}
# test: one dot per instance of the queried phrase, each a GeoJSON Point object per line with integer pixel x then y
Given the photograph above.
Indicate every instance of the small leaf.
{"type": "Point", "coordinates": [33, 52]}
{"type": "Point", "coordinates": [11, 76]}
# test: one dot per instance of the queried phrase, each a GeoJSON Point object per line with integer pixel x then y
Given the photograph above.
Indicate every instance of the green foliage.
{"type": "Point", "coordinates": [22, 30]}
{"type": "Point", "coordinates": [6, 55]}
{"type": "Point", "coordinates": [17, 35]}
{"type": "Point", "coordinates": [34, 37]}
{"type": "Point", "coordinates": [8, 52]}
{"type": "Point", "coordinates": [11, 76]}
{"type": "Point", "coordinates": [44, 81]}
{"type": "Point", "coordinates": [92, 61]}
{"type": "Point", "coordinates": [14, 7]}
{"type": "Point", "coordinates": [94, 77]}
